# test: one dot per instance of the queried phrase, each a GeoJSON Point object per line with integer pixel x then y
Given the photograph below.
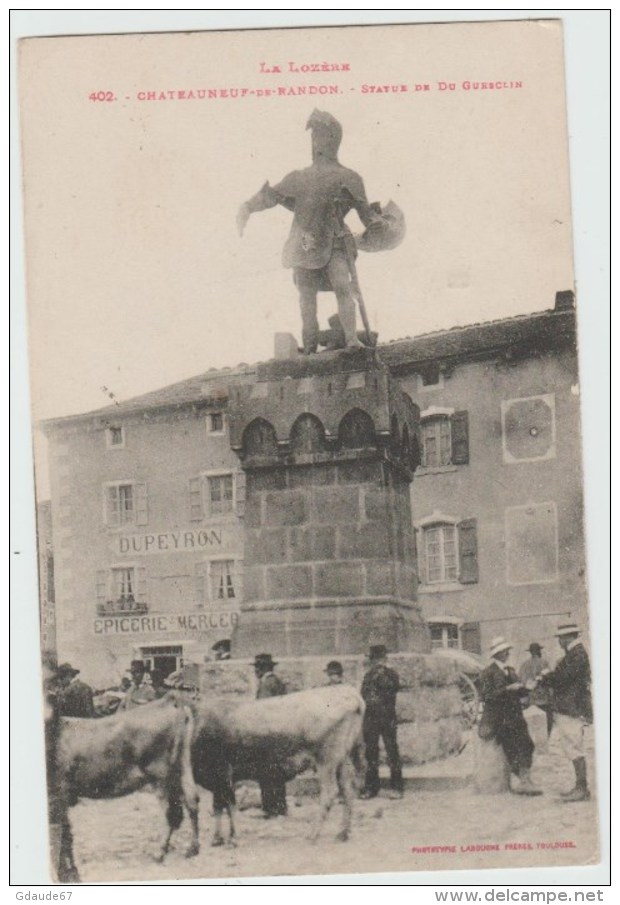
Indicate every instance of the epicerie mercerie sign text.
{"type": "Point", "coordinates": [134, 624]}
{"type": "Point", "coordinates": [171, 541]}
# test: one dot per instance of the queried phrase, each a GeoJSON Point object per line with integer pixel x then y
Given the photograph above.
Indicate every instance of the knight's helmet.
{"type": "Point", "coordinates": [326, 135]}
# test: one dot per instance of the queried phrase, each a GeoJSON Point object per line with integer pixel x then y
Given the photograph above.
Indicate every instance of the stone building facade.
{"type": "Point", "coordinates": [152, 533]}
{"type": "Point", "coordinates": [47, 590]}
{"type": "Point", "coordinates": [499, 494]}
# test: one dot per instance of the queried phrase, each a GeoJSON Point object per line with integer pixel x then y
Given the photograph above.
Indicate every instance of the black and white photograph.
{"type": "Point", "coordinates": [306, 408]}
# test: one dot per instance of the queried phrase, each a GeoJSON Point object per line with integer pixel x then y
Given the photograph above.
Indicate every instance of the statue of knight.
{"type": "Point", "coordinates": [320, 248]}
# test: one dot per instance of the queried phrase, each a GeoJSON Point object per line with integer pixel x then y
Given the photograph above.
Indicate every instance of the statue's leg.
{"type": "Point", "coordinates": [340, 279]}
{"type": "Point", "coordinates": [306, 283]}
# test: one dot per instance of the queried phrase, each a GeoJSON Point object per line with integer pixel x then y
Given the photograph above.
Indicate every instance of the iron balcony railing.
{"type": "Point", "coordinates": [121, 606]}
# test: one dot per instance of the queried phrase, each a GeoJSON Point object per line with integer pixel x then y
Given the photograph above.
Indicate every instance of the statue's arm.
{"type": "Point", "coordinates": [264, 199]}
{"type": "Point", "coordinates": [368, 213]}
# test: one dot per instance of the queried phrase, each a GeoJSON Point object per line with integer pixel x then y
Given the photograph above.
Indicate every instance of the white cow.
{"type": "Point", "coordinates": [279, 737]}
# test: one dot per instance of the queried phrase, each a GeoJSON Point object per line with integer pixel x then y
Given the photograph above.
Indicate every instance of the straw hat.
{"type": "Point", "coordinates": [567, 628]}
{"type": "Point", "coordinates": [499, 644]}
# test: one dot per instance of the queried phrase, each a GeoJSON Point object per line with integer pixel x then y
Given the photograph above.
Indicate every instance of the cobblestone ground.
{"type": "Point", "coordinates": [117, 840]}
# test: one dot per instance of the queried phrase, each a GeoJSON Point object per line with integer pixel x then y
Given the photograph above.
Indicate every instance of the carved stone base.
{"type": "Point", "coordinates": [332, 628]}
{"type": "Point", "coordinates": [328, 444]}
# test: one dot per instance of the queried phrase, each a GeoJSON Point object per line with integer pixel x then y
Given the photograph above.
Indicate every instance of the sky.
{"type": "Point", "coordinates": [137, 278]}
{"type": "Point", "coordinates": [135, 274]}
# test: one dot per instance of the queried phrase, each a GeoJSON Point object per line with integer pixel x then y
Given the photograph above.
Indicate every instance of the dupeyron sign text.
{"type": "Point", "coordinates": [169, 541]}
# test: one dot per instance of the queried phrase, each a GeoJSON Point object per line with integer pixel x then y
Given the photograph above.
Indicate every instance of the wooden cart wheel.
{"type": "Point", "coordinates": [470, 700]}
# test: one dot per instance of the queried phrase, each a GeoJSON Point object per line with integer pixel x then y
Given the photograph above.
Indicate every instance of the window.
{"type": "Point", "coordinates": [125, 503]}
{"type": "Point", "coordinates": [120, 504]}
{"type": "Point", "coordinates": [440, 553]}
{"type": "Point", "coordinates": [121, 589]}
{"type": "Point", "coordinates": [444, 634]}
{"type": "Point", "coordinates": [222, 579]}
{"type": "Point", "coordinates": [436, 442]}
{"type": "Point", "coordinates": [115, 437]}
{"type": "Point", "coordinates": [220, 494]}
{"type": "Point", "coordinates": [448, 552]}
{"type": "Point", "coordinates": [211, 495]}
{"type": "Point", "coordinates": [445, 438]}
{"type": "Point", "coordinates": [217, 580]}
{"type": "Point", "coordinates": [215, 423]}
{"type": "Point", "coordinates": [123, 584]}
{"type": "Point", "coordinates": [430, 378]}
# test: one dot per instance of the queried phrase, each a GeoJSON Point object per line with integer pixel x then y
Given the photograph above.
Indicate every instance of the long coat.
{"type": "Point", "coordinates": [273, 779]}
{"type": "Point", "coordinates": [379, 690]}
{"type": "Point", "coordinates": [269, 686]}
{"type": "Point", "coordinates": [76, 700]}
{"type": "Point", "coordinates": [570, 681]}
{"type": "Point", "coordinates": [504, 715]}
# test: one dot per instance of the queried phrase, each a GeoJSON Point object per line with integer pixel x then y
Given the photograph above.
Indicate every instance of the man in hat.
{"type": "Point", "coordinates": [572, 704]}
{"type": "Point", "coordinates": [320, 247]}
{"type": "Point", "coordinates": [272, 786]}
{"type": "Point", "coordinates": [75, 698]}
{"type": "Point", "coordinates": [501, 692]}
{"type": "Point", "coordinates": [334, 672]}
{"type": "Point", "coordinates": [529, 672]}
{"type": "Point", "coordinates": [379, 689]}
{"type": "Point", "coordinates": [158, 682]}
{"type": "Point", "coordinates": [139, 692]}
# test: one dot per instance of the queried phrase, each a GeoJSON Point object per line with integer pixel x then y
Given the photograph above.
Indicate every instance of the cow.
{"type": "Point", "coordinates": [112, 757]}
{"type": "Point", "coordinates": [61, 839]}
{"type": "Point", "coordinates": [279, 736]}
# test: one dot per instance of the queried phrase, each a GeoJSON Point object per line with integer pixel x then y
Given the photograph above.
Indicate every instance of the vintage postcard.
{"type": "Point", "coordinates": [306, 408]}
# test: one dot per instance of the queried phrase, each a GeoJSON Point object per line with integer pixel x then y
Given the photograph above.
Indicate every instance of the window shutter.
{"type": "Point", "coordinates": [239, 493]}
{"type": "Point", "coordinates": [142, 512]}
{"type": "Point", "coordinates": [470, 637]}
{"type": "Point", "coordinates": [237, 571]}
{"type": "Point", "coordinates": [460, 438]}
{"type": "Point", "coordinates": [421, 555]}
{"type": "Point", "coordinates": [200, 582]}
{"type": "Point", "coordinates": [101, 584]}
{"type": "Point", "coordinates": [141, 585]}
{"type": "Point", "coordinates": [468, 551]}
{"type": "Point", "coordinates": [195, 499]}
{"type": "Point", "coordinates": [111, 515]}
{"type": "Point", "coordinates": [414, 552]}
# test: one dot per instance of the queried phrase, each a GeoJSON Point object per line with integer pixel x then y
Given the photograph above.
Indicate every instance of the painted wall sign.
{"type": "Point", "coordinates": [165, 623]}
{"type": "Point", "coordinates": [171, 541]}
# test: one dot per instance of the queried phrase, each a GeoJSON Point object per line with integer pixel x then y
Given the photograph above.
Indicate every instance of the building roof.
{"type": "Point", "coordinates": [520, 336]}
{"type": "Point", "coordinates": [514, 337]}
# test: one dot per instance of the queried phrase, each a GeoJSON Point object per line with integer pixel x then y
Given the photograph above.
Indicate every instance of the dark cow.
{"type": "Point", "coordinates": [279, 737]}
{"type": "Point", "coordinates": [61, 839]}
{"type": "Point", "coordinates": [109, 758]}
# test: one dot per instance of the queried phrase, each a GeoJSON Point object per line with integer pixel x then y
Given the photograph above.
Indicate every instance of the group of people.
{"type": "Point", "coordinates": [563, 693]}
{"type": "Point", "coordinates": [77, 699]}
{"type": "Point", "coordinates": [379, 689]}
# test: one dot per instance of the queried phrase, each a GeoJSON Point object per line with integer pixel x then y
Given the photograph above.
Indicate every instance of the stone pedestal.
{"type": "Point", "coordinates": [328, 445]}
